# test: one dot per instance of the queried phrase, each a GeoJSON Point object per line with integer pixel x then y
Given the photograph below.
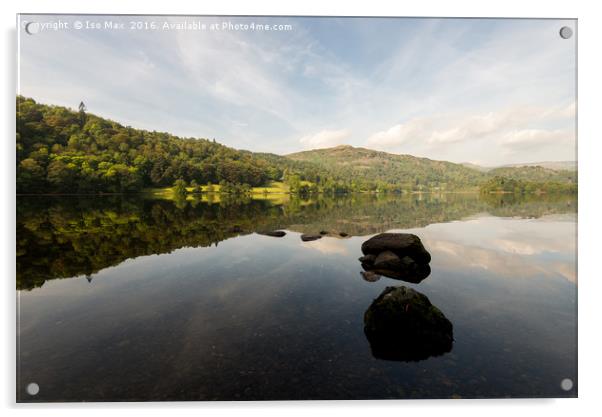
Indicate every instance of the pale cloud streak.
{"type": "Point", "coordinates": [325, 139]}
{"type": "Point", "coordinates": [510, 128]}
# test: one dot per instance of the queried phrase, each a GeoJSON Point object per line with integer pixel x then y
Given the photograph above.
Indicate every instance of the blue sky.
{"type": "Point", "coordinates": [487, 91]}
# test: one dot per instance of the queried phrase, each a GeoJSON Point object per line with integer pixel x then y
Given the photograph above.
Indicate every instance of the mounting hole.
{"type": "Point", "coordinates": [33, 388]}
{"type": "Point", "coordinates": [32, 28]}
{"type": "Point", "coordinates": [566, 32]}
{"type": "Point", "coordinates": [566, 384]}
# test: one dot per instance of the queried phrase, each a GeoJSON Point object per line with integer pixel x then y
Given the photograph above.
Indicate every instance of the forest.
{"type": "Point", "coordinates": [499, 184]}
{"type": "Point", "coordinates": [63, 151]}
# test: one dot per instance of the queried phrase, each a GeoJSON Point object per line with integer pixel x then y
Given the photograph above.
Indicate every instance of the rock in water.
{"type": "Point", "coordinates": [309, 237]}
{"type": "Point", "coordinates": [367, 259]}
{"type": "Point", "coordinates": [404, 269]}
{"type": "Point", "coordinates": [273, 233]}
{"type": "Point", "coordinates": [401, 244]}
{"type": "Point", "coordinates": [370, 276]}
{"type": "Point", "coordinates": [403, 325]}
{"type": "Point", "coordinates": [387, 260]}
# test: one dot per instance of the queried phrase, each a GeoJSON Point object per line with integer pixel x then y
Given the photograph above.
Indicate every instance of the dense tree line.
{"type": "Point", "coordinates": [510, 185]}
{"type": "Point", "coordinates": [60, 150]}
{"type": "Point", "coordinates": [535, 174]}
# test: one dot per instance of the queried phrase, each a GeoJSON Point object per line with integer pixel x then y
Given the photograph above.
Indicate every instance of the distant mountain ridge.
{"type": "Point", "coordinates": [554, 165]}
{"type": "Point", "coordinates": [375, 165]}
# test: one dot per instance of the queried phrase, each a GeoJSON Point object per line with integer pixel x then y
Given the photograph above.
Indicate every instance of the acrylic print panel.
{"type": "Point", "coordinates": [295, 208]}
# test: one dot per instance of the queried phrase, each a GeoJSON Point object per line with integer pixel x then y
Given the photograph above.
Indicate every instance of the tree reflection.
{"type": "Point", "coordinates": [60, 237]}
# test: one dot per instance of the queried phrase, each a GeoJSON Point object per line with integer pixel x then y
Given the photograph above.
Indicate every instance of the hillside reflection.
{"type": "Point", "coordinates": [63, 237]}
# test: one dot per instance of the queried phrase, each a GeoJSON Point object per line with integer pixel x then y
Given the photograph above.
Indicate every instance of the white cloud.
{"type": "Point", "coordinates": [512, 127]}
{"type": "Point", "coordinates": [325, 139]}
{"type": "Point", "coordinates": [522, 140]}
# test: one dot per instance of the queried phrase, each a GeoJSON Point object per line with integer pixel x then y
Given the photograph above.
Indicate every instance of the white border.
{"type": "Point", "coordinates": [589, 201]}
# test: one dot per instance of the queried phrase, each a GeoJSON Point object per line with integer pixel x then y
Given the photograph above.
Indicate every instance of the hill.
{"type": "Point", "coordinates": [553, 165]}
{"type": "Point", "coordinates": [64, 151]}
{"type": "Point", "coordinates": [407, 170]}
{"type": "Point", "coordinates": [534, 174]}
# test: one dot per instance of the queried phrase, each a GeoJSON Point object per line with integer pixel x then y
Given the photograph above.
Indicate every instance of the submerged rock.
{"type": "Point", "coordinates": [273, 233]}
{"type": "Point", "coordinates": [401, 244]}
{"type": "Point", "coordinates": [402, 325]}
{"type": "Point", "coordinates": [310, 237]}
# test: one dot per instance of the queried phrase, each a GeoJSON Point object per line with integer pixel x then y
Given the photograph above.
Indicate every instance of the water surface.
{"type": "Point", "coordinates": [130, 299]}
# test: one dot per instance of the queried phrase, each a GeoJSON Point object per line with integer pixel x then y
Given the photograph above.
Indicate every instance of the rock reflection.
{"type": "Point", "coordinates": [402, 325]}
{"type": "Point", "coordinates": [395, 255]}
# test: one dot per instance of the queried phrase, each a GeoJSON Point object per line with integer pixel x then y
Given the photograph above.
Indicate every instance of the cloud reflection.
{"type": "Point", "coordinates": [509, 249]}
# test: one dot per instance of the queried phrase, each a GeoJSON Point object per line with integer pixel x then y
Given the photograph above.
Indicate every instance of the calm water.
{"type": "Point", "coordinates": [130, 299]}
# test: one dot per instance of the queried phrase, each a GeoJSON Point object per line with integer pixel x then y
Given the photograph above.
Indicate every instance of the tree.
{"type": "Point", "coordinates": [82, 114]}
{"type": "Point", "coordinates": [61, 176]}
{"type": "Point", "coordinates": [179, 187]}
{"type": "Point", "coordinates": [30, 175]}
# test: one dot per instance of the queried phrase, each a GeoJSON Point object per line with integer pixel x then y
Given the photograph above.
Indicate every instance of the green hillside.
{"type": "Point", "coordinates": [535, 173]}
{"type": "Point", "coordinates": [60, 150]}
{"type": "Point", "coordinates": [555, 165]}
{"type": "Point", "coordinates": [409, 171]}
{"type": "Point", "coordinates": [63, 151]}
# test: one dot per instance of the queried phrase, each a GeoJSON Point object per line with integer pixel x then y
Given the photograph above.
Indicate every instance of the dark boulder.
{"type": "Point", "coordinates": [401, 244]}
{"type": "Point", "coordinates": [410, 272]}
{"type": "Point", "coordinates": [324, 232]}
{"type": "Point", "coordinates": [310, 237]}
{"type": "Point", "coordinates": [405, 269]}
{"type": "Point", "coordinates": [343, 234]}
{"type": "Point", "coordinates": [390, 265]}
{"type": "Point", "coordinates": [273, 233]}
{"type": "Point", "coordinates": [387, 260]}
{"type": "Point", "coordinates": [402, 325]}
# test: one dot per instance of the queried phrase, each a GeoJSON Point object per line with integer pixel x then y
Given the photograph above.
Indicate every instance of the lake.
{"type": "Point", "coordinates": [130, 298]}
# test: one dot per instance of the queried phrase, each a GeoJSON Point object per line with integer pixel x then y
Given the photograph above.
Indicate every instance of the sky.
{"type": "Point", "coordinates": [485, 91]}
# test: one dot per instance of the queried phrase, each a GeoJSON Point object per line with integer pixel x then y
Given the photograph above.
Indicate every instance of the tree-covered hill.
{"type": "Point", "coordinates": [555, 165]}
{"type": "Point", "coordinates": [535, 174]}
{"type": "Point", "coordinates": [409, 171]}
{"type": "Point", "coordinates": [422, 173]}
{"type": "Point", "coordinates": [60, 150]}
